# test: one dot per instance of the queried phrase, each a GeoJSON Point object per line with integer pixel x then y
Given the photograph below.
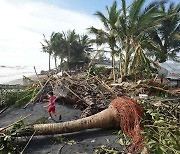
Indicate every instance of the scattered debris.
{"type": "Point", "coordinates": [93, 96]}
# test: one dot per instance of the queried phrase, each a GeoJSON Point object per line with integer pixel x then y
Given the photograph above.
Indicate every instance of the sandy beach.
{"type": "Point", "coordinates": [22, 81]}
{"type": "Point", "coordinates": [84, 142]}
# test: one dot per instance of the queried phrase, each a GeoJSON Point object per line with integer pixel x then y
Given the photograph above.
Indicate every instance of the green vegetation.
{"type": "Point", "coordinates": [16, 95]}
{"type": "Point", "coordinates": [132, 34]}
{"type": "Point", "coordinates": [69, 45]}
{"type": "Point", "coordinates": [136, 33]}
{"type": "Point", "coordinates": [161, 127]}
{"type": "Point", "coordinates": [9, 143]}
{"type": "Point", "coordinates": [103, 149]}
{"type": "Point", "coordinates": [62, 139]}
{"type": "Point", "coordinates": [97, 71]}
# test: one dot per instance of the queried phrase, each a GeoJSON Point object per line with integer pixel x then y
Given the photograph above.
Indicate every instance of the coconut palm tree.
{"type": "Point", "coordinates": [107, 35]}
{"type": "Point", "coordinates": [58, 47]}
{"type": "Point", "coordinates": [132, 27]}
{"type": "Point", "coordinates": [122, 112]}
{"type": "Point", "coordinates": [48, 46]}
{"type": "Point", "coordinates": [85, 44]}
{"type": "Point", "coordinates": [70, 37]}
{"type": "Point", "coordinates": [82, 49]}
{"type": "Point", "coordinates": [166, 38]}
{"type": "Point", "coordinates": [45, 48]}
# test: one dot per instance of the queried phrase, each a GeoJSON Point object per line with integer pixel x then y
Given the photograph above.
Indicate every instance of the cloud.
{"type": "Point", "coordinates": [23, 24]}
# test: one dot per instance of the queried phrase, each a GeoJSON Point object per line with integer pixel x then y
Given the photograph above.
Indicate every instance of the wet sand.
{"type": "Point", "coordinates": [22, 81]}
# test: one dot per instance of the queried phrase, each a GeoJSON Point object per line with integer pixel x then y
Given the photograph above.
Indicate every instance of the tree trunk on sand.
{"type": "Point", "coordinates": [122, 111]}
{"type": "Point", "coordinates": [103, 119]}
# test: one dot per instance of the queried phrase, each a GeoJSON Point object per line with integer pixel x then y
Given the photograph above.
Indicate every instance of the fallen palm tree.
{"type": "Point", "coordinates": [122, 112]}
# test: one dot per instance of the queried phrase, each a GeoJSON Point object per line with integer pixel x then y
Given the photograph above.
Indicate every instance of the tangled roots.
{"type": "Point", "coordinates": [129, 113]}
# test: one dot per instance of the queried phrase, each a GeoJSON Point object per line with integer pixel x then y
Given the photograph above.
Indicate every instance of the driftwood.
{"type": "Point", "coordinates": [3, 110]}
{"type": "Point", "coordinates": [28, 143]}
{"type": "Point", "coordinates": [37, 95]}
{"type": "Point", "coordinates": [3, 129]}
{"type": "Point", "coordinates": [85, 93]}
{"type": "Point", "coordinates": [164, 90]}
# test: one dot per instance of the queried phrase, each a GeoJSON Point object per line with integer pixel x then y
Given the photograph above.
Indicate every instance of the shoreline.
{"type": "Point", "coordinates": [14, 74]}
{"type": "Point", "coordinates": [25, 81]}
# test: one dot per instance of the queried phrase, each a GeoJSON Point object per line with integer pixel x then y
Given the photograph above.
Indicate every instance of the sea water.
{"type": "Point", "coordinates": [11, 73]}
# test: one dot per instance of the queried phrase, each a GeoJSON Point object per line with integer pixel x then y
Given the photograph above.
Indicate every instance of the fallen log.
{"type": "Point", "coordinates": [122, 112]}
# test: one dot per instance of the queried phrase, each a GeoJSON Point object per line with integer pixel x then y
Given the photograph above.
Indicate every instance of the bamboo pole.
{"type": "Point", "coordinates": [37, 95]}
{"type": "Point", "coordinates": [73, 93]}
{"type": "Point", "coordinates": [3, 129]}
{"type": "Point", "coordinates": [107, 87]}
{"type": "Point", "coordinates": [38, 76]}
{"type": "Point", "coordinates": [3, 110]}
{"type": "Point", "coordinates": [28, 142]}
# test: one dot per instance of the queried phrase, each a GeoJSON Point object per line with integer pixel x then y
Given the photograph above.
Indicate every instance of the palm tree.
{"type": "Point", "coordinates": [107, 35]}
{"type": "Point", "coordinates": [70, 37]}
{"type": "Point", "coordinates": [125, 32]}
{"type": "Point", "coordinates": [45, 48]}
{"type": "Point", "coordinates": [132, 27]}
{"type": "Point", "coordinates": [166, 37]}
{"type": "Point", "coordinates": [48, 46]}
{"type": "Point", "coordinates": [85, 44]}
{"type": "Point", "coordinates": [58, 47]}
{"type": "Point", "coordinates": [82, 49]}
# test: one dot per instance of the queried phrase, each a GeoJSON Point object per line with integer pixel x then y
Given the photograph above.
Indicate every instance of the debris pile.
{"type": "Point", "coordinates": [113, 103]}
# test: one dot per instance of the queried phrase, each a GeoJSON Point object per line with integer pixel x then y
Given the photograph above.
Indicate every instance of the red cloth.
{"type": "Point", "coordinates": [51, 109]}
{"type": "Point", "coordinates": [51, 100]}
{"type": "Point", "coordinates": [52, 104]}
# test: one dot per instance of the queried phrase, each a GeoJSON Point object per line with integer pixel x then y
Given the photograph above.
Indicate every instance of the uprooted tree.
{"type": "Point", "coordinates": [122, 112]}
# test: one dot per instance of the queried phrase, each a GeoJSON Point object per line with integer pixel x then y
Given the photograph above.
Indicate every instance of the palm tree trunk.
{"type": "Point", "coordinates": [69, 56]}
{"type": "Point", "coordinates": [104, 119]}
{"type": "Point", "coordinates": [55, 61]}
{"type": "Point", "coordinates": [122, 112]}
{"type": "Point", "coordinates": [120, 65]}
{"type": "Point", "coordinates": [135, 59]}
{"type": "Point", "coordinates": [49, 62]}
{"type": "Point", "coordinates": [113, 67]}
{"type": "Point", "coordinates": [61, 64]}
{"type": "Point", "coordinates": [127, 57]}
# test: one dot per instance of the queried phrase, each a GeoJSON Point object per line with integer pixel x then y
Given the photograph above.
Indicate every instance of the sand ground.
{"type": "Point", "coordinates": [85, 141]}
{"type": "Point", "coordinates": [22, 81]}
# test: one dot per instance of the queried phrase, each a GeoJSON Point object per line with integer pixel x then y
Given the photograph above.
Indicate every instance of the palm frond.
{"type": "Point", "coordinates": [135, 11]}
{"type": "Point", "coordinates": [103, 19]}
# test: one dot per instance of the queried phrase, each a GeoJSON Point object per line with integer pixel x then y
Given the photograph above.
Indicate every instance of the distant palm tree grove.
{"type": "Point", "coordinates": [134, 35]}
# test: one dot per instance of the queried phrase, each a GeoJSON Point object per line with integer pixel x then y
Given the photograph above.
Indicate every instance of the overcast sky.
{"type": "Point", "coordinates": [23, 23]}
